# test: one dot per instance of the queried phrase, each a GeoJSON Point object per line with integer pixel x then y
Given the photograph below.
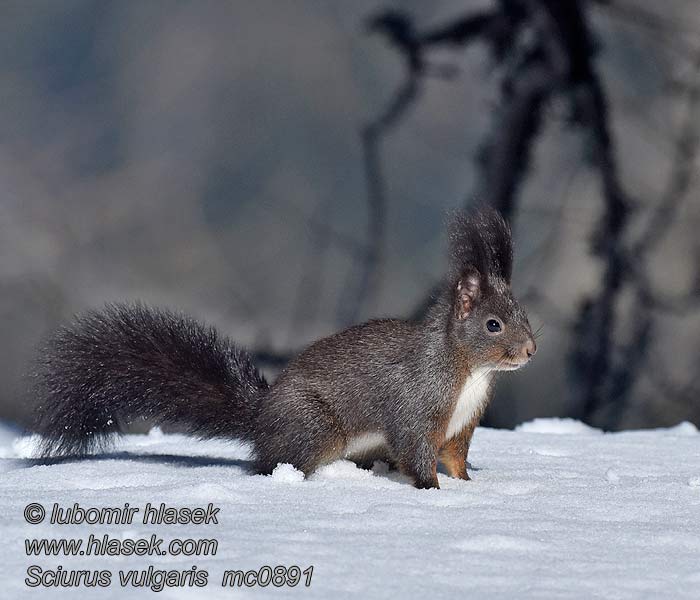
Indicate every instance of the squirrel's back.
{"type": "Point", "coordinates": [358, 369]}
{"type": "Point", "coordinates": [131, 362]}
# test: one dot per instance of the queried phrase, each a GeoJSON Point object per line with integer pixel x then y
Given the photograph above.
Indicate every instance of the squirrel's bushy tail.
{"type": "Point", "coordinates": [130, 362]}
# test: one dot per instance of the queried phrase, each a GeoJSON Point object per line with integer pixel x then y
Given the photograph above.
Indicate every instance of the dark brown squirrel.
{"type": "Point", "coordinates": [410, 392]}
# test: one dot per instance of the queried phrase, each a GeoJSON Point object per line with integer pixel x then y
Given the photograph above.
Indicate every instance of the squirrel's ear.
{"type": "Point", "coordinates": [468, 291]}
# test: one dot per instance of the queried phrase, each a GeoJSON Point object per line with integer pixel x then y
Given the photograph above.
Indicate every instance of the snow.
{"type": "Point", "coordinates": [555, 510]}
{"type": "Point", "coordinates": [557, 426]}
{"type": "Point", "coordinates": [285, 473]}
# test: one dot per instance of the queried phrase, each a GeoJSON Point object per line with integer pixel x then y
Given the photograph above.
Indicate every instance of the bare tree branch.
{"type": "Point", "coordinates": [399, 30]}
{"type": "Point", "coordinates": [543, 48]}
{"type": "Point", "coordinates": [646, 299]}
{"type": "Point", "coordinates": [683, 169]}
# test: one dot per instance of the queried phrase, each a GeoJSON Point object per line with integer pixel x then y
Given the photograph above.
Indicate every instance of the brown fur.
{"type": "Point", "coordinates": [453, 453]}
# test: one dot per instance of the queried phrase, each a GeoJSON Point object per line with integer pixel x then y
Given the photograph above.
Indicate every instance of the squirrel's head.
{"type": "Point", "coordinates": [487, 320]}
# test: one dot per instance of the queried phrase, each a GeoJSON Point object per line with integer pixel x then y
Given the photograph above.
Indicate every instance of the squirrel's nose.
{"type": "Point", "coordinates": [529, 348]}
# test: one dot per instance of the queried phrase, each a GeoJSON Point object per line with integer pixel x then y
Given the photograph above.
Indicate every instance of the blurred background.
{"type": "Point", "coordinates": [284, 169]}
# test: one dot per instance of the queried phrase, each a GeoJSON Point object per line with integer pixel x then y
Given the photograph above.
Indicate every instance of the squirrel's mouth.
{"type": "Point", "coordinates": [510, 366]}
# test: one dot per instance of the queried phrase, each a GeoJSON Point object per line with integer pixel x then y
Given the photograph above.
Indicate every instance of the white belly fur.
{"type": "Point", "coordinates": [471, 399]}
{"type": "Point", "coordinates": [363, 443]}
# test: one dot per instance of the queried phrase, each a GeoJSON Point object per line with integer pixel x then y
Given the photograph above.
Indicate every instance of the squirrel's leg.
{"type": "Point", "coordinates": [418, 460]}
{"type": "Point", "coordinates": [454, 452]}
{"type": "Point", "coordinates": [304, 433]}
{"type": "Point", "coordinates": [366, 461]}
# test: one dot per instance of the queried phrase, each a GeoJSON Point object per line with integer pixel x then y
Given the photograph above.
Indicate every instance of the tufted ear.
{"type": "Point", "coordinates": [481, 239]}
{"type": "Point", "coordinates": [467, 294]}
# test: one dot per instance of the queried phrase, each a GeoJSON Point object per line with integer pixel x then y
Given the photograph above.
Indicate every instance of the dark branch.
{"type": "Point", "coordinates": [399, 30]}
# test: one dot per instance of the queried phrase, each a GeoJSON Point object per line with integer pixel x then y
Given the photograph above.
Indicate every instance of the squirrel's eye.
{"type": "Point", "coordinates": [493, 326]}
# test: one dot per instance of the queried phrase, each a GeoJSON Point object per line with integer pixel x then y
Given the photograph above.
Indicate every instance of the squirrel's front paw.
{"type": "Point", "coordinates": [427, 484]}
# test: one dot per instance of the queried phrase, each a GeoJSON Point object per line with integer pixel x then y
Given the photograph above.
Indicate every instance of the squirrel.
{"type": "Point", "coordinates": [412, 392]}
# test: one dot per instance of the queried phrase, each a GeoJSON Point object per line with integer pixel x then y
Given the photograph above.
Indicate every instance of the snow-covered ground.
{"type": "Point", "coordinates": [555, 510]}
